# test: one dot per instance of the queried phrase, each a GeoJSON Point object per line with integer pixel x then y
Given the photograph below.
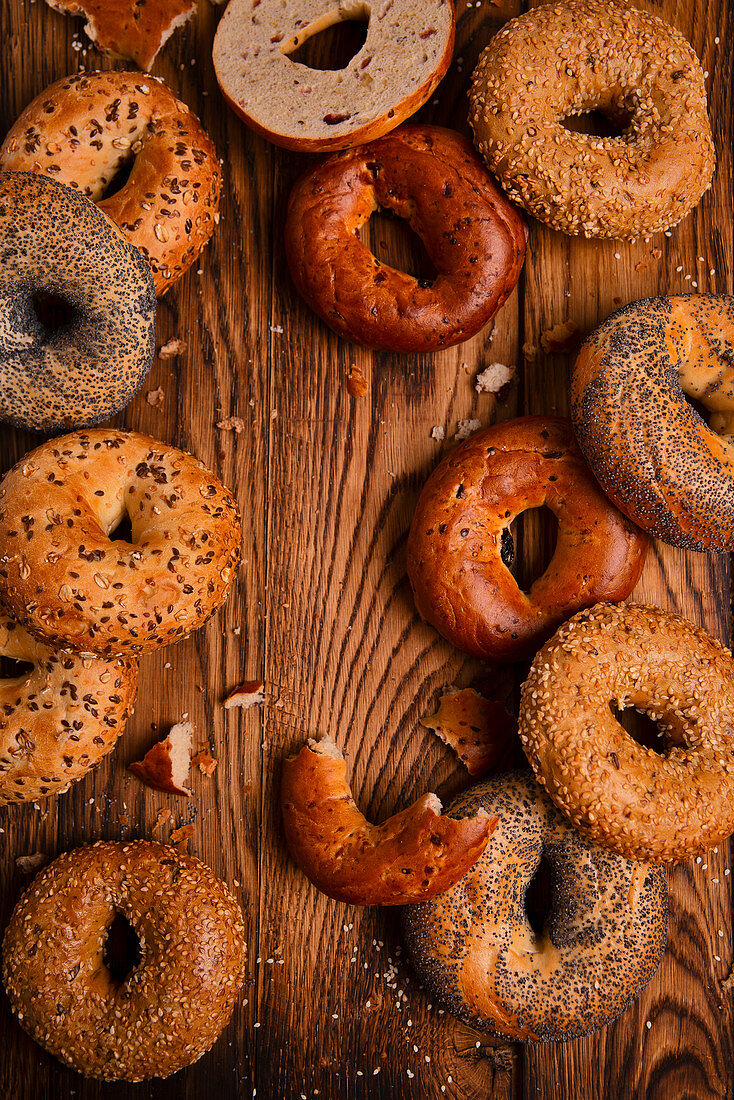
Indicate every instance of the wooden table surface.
{"type": "Point", "coordinates": [322, 611]}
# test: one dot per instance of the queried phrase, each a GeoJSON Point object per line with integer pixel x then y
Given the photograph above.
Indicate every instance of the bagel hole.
{"type": "Point", "coordinates": [640, 727]}
{"type": "Point", "coordinates": [53, 311]}
{"type": "Point", "coordinates": [119, 178]}
{"type": "Point", "coordinates": [534, 534]}
{"type": "Point", "coordinates": [121, 951]}
{"type": "Point", "coordinates": [538, 896]}
{"type": "Point", "coordinates": [334, 47]}
{"type": "Point", "coordinates": [13, 669]}
{"type": "Point", "coordinates": [391, 239]}
{"type": "Point", "coordinates": [124, 531]}
{"type": "Point", "coordinates": [596, 123]}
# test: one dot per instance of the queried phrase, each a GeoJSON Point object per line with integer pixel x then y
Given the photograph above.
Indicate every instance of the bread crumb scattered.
{"type": "Point", "coordinates": [182, 835]}
{"type": "Point", "coordinates": [493, 378]}
{"type": "Point", "coordinates": [204, 761]}
{"type": "Point", "coordinates": [357, 382]}
{"type": "Point", "coordinates": [438, 432]}
{"type": "Point", "coordinates": [561, 338]}
{"type": "Point", "coordinates": [529, 350]}
{"type": "Point", "coordinates": [231, 424]}
{"type": "Point", "coordinates": [155, 397]}
{"type": "Point", "coordinates": [249, 694]}
{"type": "Point", "coordinates": [465, 428]}
{"type": "Point", "coordinates": [173, 348]}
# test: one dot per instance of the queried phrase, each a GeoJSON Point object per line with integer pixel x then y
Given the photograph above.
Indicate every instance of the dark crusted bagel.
{"type": "Point", "coordinates": [648, 447]}
{"type": "Point", "coordinates": [433, 178]}
{"type": "Point", "coordinates": [55, 242]}
{"type": "Point", "coordinates": [475, 949]}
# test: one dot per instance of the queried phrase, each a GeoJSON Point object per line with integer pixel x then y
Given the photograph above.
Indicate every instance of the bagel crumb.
{"type": "Point", "coordinates": [231, 424]}
{"type": "Point", "coordinates": [204, 761]}
{"type": "Point", "coordinates": [250, 693]}
{"type": "Point", "coordinates": [172, 348]}
{"type": "Point", "coordinates": [438, 433]}
{"type": "Point", "coordinates": [494, 378]}
{"type": "Point", "coordinates": [30, 864]}
{"type": "Point", "coordinates": [357, 382]}
{"type": "Point", "coordinates": [562, 338]}
{"type": "Point", "coordinates": [465, 428]}
{"type": "Point", "coordinates": [155, 397]}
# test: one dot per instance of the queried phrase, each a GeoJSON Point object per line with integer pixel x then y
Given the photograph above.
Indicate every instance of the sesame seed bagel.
{"type": "Point", "coordinates": [71, 583]}
{"type": "Point", "coordinates": [55, 243]}
{"type": "Point", "coordinates": [649, 449]}
{"type": "Point", "coordinates": [85, 129]}
{"type": "Point", "coordinates": [665, 806]}
{"type": "Point", "coordinates": [171, 1006]}
{"type": "Point", "coordinates": [59, 719]}
{"type": "Point", "coordinates": [569, 58]}
{"type": "Point", "coordinates": [460, 547]}
{"type": "Point", "coordinates": [475, 949]}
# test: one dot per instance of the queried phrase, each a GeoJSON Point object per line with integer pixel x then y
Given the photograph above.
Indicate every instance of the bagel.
{"type": "Point", "coordinates": [171, 1006]}
{"type": "Point", "coordinates": [574, 56]}
{"type": "Point", "coordinates": [432, 178]}
{"type": "Point", "coordinates": [54, 242]}
{"type": "Point", "coordinates": [85, 129]}
{"type": "Point", "coordinates": [665, 806]}
{"type": "Point", "coordinates": [460, 543]}
{"type": "Point", "coordinates": [475, 949]}
{"type": "Point", "coordinates": [406, 54]}
{"type": "Point", "coordinates": [76, 586]}
{"type": "Point", "coordinates": [648, 447]}
{"type": "Point", "coordinates": [59, 719]}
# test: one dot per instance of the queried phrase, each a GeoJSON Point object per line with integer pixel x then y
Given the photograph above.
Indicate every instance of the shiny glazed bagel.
{"type": "Point", "coordinates": [574, 56]}
{"type": "Point", "coordinates": [171, 1006]}
{"type": "Point", "coordinates": [475, 949]}
{"type": "Point", "coordinates": [649, 449]}
{"type": "Point", "coordinates": [433, 178]}
{"type": "Point", "coordinates": [668, 805]}
{"type": "Point", "coordinates": [59, 719]}
{"type": "Point", "coordinates": [84, 130]}
{"type": "Point", "coordinates": [54, 243]}
{"type": "Point", "coordinates": [71, 583]}
{"type": "Point", "coordinates": [460, 545]}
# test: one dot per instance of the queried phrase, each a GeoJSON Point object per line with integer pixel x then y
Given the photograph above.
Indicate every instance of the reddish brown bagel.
{"type": "Point", "coordinates": [461, 583]}
{"type": "Point", "coordinates": [432, 178]}
{"type": "Point", "coordinates": [69, 583]}
{"type": "Point", "coordinates": [653, 455]}
{"type": "Point", "coordinates": [84, 129]}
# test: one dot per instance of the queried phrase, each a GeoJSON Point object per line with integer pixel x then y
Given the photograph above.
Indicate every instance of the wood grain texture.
{"type": "Point", "coordinates": [322, 611]}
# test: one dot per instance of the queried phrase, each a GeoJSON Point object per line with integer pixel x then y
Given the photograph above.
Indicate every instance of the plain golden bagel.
{"type": "Point", "coordinates": [665, 806]}
{"type": "Point", "coordinates": [87, 129]}
{"type": "Point", "coordinates": [71, 583]}
{"type": "Point", "coordinates": [171, 1006]}
{"type": "Point", "coordinates": [574, 56]}
{"type": "Point", "coordinates": [460, 547]}
{"type": "Point", "coordinates": [651, 451]}
{"type": "Point", "coordinates": [55, 244]}
{"type": "Point", "coordinates": [475, 949]}
{"type": "Point", "coordinates": [60, 718]}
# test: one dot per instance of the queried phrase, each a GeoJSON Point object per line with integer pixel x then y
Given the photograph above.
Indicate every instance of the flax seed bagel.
{"type": "Point", "coordinates": [575, 56]}
{"type": "Point", "coordinates": [71, 583]}
{"type": "Point", "coordinates": [61, 717]}
{"type": "Point", "coordinates": [433, 178]}
{"type": "Point", "coordinates": [649, 449]}
{"type": "Point", "coordinates": [171, 1006]}
{"type": "Point", "coordinates": [460, 547]}
{"type": "Point", "coordinates": [84, 130]}
{"type": "Point", "coordinates": [475, 949]}
{"type": "Point", "coordinates": [664, 806]}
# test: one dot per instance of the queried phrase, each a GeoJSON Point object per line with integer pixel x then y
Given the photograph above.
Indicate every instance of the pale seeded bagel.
{"type": "Point", "coordinates": [55, 242]}
{"type": "Point", "coordinates": [58, 720]}
{"type": "Point", "coordinates": [84, 129]}
{"type": "Point", "coordinates": [171, 1006]}
{"type": "Point", "coordinates": [407, 51]}
{"type": "Point", "coordinates": [70, 584]}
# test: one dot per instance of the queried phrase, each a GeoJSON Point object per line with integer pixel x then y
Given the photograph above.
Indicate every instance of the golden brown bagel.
{"type": "Point", "coordinates": [460, 532]}
{"type": "Point", "coordinates": [132, 29]}
{"type": "Point", "coordinates": [664, 806]}
{"type": "Point", "coordinates": [574, 56]}
{"type": "Point", "coordinates": [433, 178]}
{"type": "Point", "coordinates": [171, 1006]}
{"type": "Point", "coordinates": [412, 856]}
{"type": "Point", "coordinates": [648, 447]}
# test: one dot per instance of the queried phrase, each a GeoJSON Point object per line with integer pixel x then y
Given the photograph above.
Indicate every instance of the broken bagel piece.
{"type": "Point", "coordinates": [130, 29]}
{"type": "Point", "coordinates": [166, 766]}
{"type": "Point", "coordinates": [480, 731]}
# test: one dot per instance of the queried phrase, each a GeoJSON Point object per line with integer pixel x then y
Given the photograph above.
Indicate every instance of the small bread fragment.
{"type": "Point", "coordinates": [249, 694]}
{"type": "Point", "coordinates": [479, 730]}
{"type": "Point", "coordinates": [130, 29]}
{"type": "Point", "coordinates": [413, 856]}
{"type": "Point", "coordinates": [165, 767]}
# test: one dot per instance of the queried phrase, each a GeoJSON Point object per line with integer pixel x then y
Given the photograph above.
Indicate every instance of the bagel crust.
{"type": "Point", "coordinates": [433, 178]}
{"type": "Point", "coordinates": [664, 806]}
{"type": "Point", "coordinates": [649, 449]}
{"type": "Point", "coordinates": [475, 949]}
{"type": "Point", "coordinates": [171, 1006]}
{"type": "Point", "coordinates": [71, 585]}
{"type": "Point", "coordinates": [457, 547]}
{"type": "Point", "coordinates": [84, 129]}
{"type": "Point", "coordinates": [574, 56]}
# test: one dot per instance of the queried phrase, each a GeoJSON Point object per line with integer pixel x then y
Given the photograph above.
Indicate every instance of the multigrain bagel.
{"type": "Point", "coordinates": [71, 584]}
{"type": "Point", "coordinates": [433, 178]}
{"type": "Point", "coordinates": [575, 56]}
{"type": "Point", "coordinates": [665, 806]}
{"type": "Point", "coordinates": [171, 1006]}
{"type": "Point", "coordinates": [85, 129]}
{"type": "Point", "coordinates": [475, 949]}
{"type": "Point", "coordinates": [460, 545]}
{"type": "Point", "coordinates": [60, 718]}
{"type": "Point", "coordinates": [648, 447]}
